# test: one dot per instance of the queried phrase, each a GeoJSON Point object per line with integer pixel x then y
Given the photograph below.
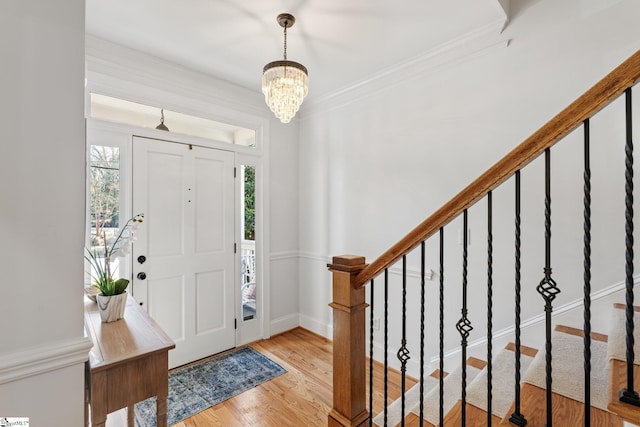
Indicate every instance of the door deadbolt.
{"type": "Point", "coordinates": [142, 259]}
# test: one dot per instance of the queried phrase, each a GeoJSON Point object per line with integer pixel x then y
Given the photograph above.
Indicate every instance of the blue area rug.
{"type": "Point", "coordinates": [199, 386]}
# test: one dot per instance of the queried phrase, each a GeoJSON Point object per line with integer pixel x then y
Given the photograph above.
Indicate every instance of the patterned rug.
{"type": "Point", "coordinates": [196, 387]}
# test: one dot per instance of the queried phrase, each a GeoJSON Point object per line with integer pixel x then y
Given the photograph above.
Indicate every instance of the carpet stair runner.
{"type": "Point", "coordinates": [503, 386]}
{"type": "Point", "coordinates": [616, 355]}
{"type": "Point", "coordinates": [608, 377]}
{"type": "Point", "coordinates": [412, 398]}
{"type": "Point", "coordinates": [568, 382]}
{"type": "Point", "coordinates": [432, 397]}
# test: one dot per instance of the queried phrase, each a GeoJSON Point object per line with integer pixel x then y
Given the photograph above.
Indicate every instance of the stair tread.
{"type": "Point", "coordinates": [451, 391]}
{"type": "Point", "coordinates": [566, 411]}
{"type": "Point", "coordinates": [595, 336]}
{"type": "Point", "coordinates": [618, 382]}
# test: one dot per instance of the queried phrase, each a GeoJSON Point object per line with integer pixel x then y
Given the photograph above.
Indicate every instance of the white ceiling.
{"type": "Point", "coordinates": [341, 42]}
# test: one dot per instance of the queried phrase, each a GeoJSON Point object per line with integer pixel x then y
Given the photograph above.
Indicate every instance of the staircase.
{"type": "Point", "coordinates": [567, 392]}
{"type": "Point", "coordinates": [577, 377]}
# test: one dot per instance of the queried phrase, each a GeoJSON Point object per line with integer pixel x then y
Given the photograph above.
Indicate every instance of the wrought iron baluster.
{"type": "Point", "coordinates": [629, 395]}
{"type": "Point", "coordinates": [403, 352]}
{"type": "Point", "coordinates": [422, 320]}
{"type": "Point", "coordinates": [517, 418]}
{"type": "Point", "coordinates": [386, 345]}
{"type": "Point", "coordinates": [587, 276]}
{"type": "Point", "coordinates": [371, 327]}
{"type": "Point", "coordinates": [464, 325]}
{"type": "Point", "coordinates": [441, 375]}
{"type": "Point", "coordinates": [548, 287]}
{"type": "Point", "coordinates": [489, 305]}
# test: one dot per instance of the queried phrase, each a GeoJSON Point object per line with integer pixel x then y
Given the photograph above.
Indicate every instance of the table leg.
{"type": "Point", "coordinates": [87, 374]}
{"type": "Point", "coordinates": [98, 397]}
{"type": "Point", "coordinates": [163, 389]}
{"type": "Point", "coordinates": [161, 410]}
{"type": "Point", "coordinates": [130, 416]}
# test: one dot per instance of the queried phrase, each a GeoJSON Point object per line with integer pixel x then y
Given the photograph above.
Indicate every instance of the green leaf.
{"type": "Point", "coordinates": [120, 285]}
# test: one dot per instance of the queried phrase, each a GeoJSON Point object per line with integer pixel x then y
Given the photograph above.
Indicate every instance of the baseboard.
{"type": "Point", "coordinates": [317, 327]}
{"type": "Point", "coordinates": [284, 323]}
{"type": "Point", "coordinates": [38, 360]}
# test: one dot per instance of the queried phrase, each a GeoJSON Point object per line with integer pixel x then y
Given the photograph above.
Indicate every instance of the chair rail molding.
{"type": "Point", "coordinates": [39, 360]}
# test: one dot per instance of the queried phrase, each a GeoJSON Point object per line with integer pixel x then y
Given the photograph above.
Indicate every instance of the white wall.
{"type": "Point", "coordinates": [375, 161]}
{"type": "Point", "coordinates": [283, 202]}
{"type": "Point", "coordinates": [42, 346]}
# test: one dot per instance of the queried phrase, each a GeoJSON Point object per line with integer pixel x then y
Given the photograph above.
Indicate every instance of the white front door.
{"type": "Point", "coordinates": [183, 259]}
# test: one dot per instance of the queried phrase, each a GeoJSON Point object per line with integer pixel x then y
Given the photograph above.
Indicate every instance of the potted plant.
{"type": "Point", "coordinates": [110, 292]}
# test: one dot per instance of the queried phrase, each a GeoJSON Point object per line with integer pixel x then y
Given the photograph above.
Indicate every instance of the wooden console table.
{"type": "Point", "coordinates": [129, 362]}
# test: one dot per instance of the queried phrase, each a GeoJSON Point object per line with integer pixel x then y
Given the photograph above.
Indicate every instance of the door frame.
{"type": "Point", "coordinates": [123, 134]}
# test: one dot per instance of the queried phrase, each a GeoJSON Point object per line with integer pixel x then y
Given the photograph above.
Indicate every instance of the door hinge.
{"type": "Point", "coordinates": [235, 323]}
{"type": "Point", "coordinates": [235, 172]}
{"type": "Point", "coordinates": [235, 248]}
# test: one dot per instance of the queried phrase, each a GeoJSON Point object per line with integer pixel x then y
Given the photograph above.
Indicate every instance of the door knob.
{"type": "Point", "coordinates": [141, 275]}
{"type": "Point", "coordinates": [142, 259]}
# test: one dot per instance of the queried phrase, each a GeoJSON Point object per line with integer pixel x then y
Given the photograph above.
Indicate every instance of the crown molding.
{"type": "Point", "coordinates": [107, 61]}
{"type": "Point", "coordinates": [463, 47]}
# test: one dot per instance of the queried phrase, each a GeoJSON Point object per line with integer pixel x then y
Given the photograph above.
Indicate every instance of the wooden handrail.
{"type": "Point", "coordinates": [596, 98]}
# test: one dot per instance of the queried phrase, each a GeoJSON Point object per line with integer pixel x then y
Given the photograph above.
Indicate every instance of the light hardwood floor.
{"type": "Point", "coordinates": [303, 395]}
{"type": "Point", "coordinates": [300, 397]}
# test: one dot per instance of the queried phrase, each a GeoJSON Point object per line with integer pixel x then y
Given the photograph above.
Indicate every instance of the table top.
{"type": "Point", "coordinates": [135, 336]}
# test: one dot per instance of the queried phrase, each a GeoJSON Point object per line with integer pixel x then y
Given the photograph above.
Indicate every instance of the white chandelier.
{"type": "Point", "coordinates": [285, 83]}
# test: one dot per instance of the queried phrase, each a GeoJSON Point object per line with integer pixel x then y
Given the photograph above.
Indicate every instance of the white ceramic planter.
{"type": "Point", "coordinates": [111, 307]}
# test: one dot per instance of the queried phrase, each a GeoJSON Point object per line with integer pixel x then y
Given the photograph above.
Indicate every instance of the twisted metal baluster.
{"type": "Point", "coordinates": [587, 277]}
{"type": "Point", "coordinates": [629, 395]}
{"type": "Point", "coordinates": [441, 376]}
{"type": "Point", "coordinates": [548, 287]}
{"type": "Point", "coordinates": [371, 325]}
{"type": "Point", "coordinates": [422, 320]}
{"type": "Point", "coordinates": [489, 305]}
{"type": "Point", "coordinates": [386, 345]}
{"type": "Point", "coordinates": [517, 418]}
{"type": "Point", "coordinates": [403, 352]}
{"type": "Point", "coordinates": [464, 325]}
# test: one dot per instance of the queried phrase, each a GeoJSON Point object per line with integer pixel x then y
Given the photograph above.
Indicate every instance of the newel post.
{"type": "Point", "coordinates": [349, 377]}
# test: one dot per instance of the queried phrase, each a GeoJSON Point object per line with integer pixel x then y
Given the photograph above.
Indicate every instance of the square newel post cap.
{"type": "Point", "coordinates": [347, 263]}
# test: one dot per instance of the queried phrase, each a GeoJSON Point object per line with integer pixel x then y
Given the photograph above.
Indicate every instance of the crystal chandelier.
{"type": "Point", "coordinates": [285, 83]}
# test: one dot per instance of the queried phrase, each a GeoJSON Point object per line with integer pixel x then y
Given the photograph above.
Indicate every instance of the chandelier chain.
{"type": "Point", "coordinates": [285, 42]}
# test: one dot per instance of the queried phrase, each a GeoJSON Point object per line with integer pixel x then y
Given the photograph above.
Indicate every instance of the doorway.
{"type": "Point", "coordinates": [183, 259]}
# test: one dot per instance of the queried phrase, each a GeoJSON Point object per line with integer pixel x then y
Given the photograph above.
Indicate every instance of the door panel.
{"type": "Point", "coordinates": [210, 213]}
{"type": "Point", "coordinates": [164, 181]}
{"type": "Point", "coordinates": [187, 196]}
{"type": "Point", "coordinates": [166, 301]}
{"type": "Point", "coordinates": [210, 299]}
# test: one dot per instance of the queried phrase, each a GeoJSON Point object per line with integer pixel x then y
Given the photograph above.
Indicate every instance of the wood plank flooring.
{"type": "Point", "coordinates": [303, 395]}
{"type": "Point", "coordinates": [300, 397]}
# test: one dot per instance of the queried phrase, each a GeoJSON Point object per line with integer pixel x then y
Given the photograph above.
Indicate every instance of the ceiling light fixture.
{"type": "Point", "coordinates": [162, 126]}
{"type": "Point", "coordinates": [285, 83]}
